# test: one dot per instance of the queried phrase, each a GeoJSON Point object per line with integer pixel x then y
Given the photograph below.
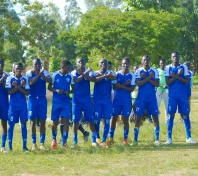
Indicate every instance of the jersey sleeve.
{"type": "Point", "coordinates": [167, 73]}
{"type": "Point", "coordinates": [115, 81]}
{"type": "Point", "coordinates": [156, 73]}
{"type": "Point", "coordinates": [137, 74]}
{"type": "Point", "coordinates": [46, 73]}
{"type": "Point", "coordinates": [53, 77]}
{"type": "Point", "coordinates": [8, 82]}
{"type": "Point", "coordinates": [72, 79]}
{"type": "Point", "coordinates": [186, 71]}
{"type": "Point", "coordinates": [133, 80]}
{"type": "Point", "coordinates": [73, 73]}
{"type": "Point", "coordinates": [27, 86]}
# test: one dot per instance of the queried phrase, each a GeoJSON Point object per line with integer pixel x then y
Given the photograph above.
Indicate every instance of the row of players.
{"type": "Point", "coordinates": [63, 83]}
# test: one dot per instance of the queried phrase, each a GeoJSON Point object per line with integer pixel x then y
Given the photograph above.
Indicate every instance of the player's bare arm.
{"type": "Point", "coordinates": [50, 88]}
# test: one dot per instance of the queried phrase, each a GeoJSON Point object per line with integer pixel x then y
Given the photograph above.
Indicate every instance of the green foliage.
{"type": "Point", "coordinates": [116, 34]}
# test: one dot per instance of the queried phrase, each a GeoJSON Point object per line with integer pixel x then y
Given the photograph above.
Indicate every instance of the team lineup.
{"type": "Point", "coordinates": [72, 98]}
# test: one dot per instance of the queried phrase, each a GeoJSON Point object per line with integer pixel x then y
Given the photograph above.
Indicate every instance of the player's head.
{"type": "Point", "coordinates": [80, 63]}
{"type": "Point", "coordinates": [145, 61]}
{"type": "Point", "coordinates": [162, 63]}
{"type": "Point", "coordinates": [18, 68]}
{"type": "Point", "coordinates": [65, 66]}
{"type": "Point", "coordinates": [36, 63]}
{"type": "Point", "coordinates": [188, 65]}
{"type": "Point", "coordinates": [103, 64]}
{"type": "Point", "coordinates": [1, 64]}
{"type": "Point", "coordinates": [175, 56]}
{"type": "Point", "coordinates": [135, 68]}
{"type": "Point", "coordinates": [125, 64]}
{"type": "Point", "coordinates": [109, 65]}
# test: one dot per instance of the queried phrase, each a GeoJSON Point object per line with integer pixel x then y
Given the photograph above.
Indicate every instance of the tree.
{"type": "Point", "coordinates": [118, 34]}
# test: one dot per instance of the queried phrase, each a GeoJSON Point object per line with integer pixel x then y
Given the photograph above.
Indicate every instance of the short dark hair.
{"type": "Point", "coordinates": [147, 57]}
{"type": "Point", "coordinates": [126, 59]}
{"type": "Point", "coordinates": [65, 62]}
{"type": "Point", "coordinates": [36, 59]}
{"type": "Point", "coordinates": [175, 52]}
{"type": "Point", "coordinates": [109, 62]}
{"type": "Point", "coordinates": [19, 64]}
{"type": "Point", "coordinates": [163, 60]}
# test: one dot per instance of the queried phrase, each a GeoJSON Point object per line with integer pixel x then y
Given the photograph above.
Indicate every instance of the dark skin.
{"type": "Point", "coordinates": [125, 70]}
{"type": "Point", "coordinates": [174, 77]}
{"type": "Point", "coordinates": [39, 73]}
{"type": "Point", "coordinates": [65, 69]}
{"type": "Point", "coordinates": [18, 74]}
{"type": "Point", "coordinates": [2, 83]}
{"type": "Point", "coordinates": [146, 66]}
{"type": "Point", "coordinates": [83, 74]}
{"type": "Point", "coordinates": [103, 68]}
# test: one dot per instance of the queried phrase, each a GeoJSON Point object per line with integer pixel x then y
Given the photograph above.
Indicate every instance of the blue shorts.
{"type": "Point", "coordinates": [181, 103]}
{"type": "Point", "coordinates": [60, 109]}
{"type": "Point", "coordinates": [4, 112]}
{"type": "Point", "coordinates": [14, 115]}
{"type": "Point", "coordinates": [150, 106]}
{"type": "Point", "coordinates": [37, 107]}
{"type": "Point", "coordinates": [102, 110]}
{"type": "Point", "coordinates": [121, 108]}
{"type": "Point", "coordinates": [85, 107]}
{"type": "Point", "coordinates": [188, 91]}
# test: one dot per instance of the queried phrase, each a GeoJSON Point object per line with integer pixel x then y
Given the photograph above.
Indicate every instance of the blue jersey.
{"type": "Point", "coordinates": [39, 88]}
{"type": "Point", "coordinates": [177, 88]}
{"type": "Point", "coordinates": [62, 82]}
{"type": "Point", "coordinates": [3, 92]}
{"type": "Point", "coordinates": [189, 85]}
{"type": "Point", "coordinates": [103, 88]}
{"type": "Point", "coordinates": [17, 99]}
{"type": "Point", "coordinates": [82, 89]}
{"type": "Point", "coordinates": [122, 94]}
{"type": "Point", "coordinates": [147, 90]}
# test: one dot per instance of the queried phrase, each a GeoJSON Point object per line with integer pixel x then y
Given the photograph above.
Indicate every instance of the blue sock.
{"type": "Point", "coordinates": [24, 134]}
{"type": "Point", "coordinates": [106, 129]}
{"type": "Point", "coordinates": [170, 126]}
{"type": "Point", "coordinates": [75, 138]}
{"type": "Point", "coordinates": [61, 129]}
{"type": "Point", "coordinates": [126, 133]}
{"type": "Point", "coordinates": [97, 127]}
{"type": "Point", "coordinates": [157, 130]}
{"type": "Point", "coordinates": [94, 137]}
{"type": "Point", "coordinates": [111, 132]}
{"type": "Point", "coordinates": [54, 133]}
{"type": "Point", "coordinates": [136, 132]}
{"type": "Point", "coordinates": [10, 135]}
{"type": "Point", "coordinates": [3, 140]}
{"type": "Point", "coordinates": [187, 126]}
{"type": "Point", "coordinates": [64, 138]}
{"type": "Point", "coordinates": [42, 138]}
{"type": "Point", "coordinates": [34, 138]}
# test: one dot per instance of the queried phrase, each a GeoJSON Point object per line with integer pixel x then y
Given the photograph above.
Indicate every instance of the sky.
{"type": "Point", "coordinates": [61, 3]}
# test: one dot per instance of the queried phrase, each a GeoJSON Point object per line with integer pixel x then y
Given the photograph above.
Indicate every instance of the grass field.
{"type": "Point", "coordinates": [145, 159]}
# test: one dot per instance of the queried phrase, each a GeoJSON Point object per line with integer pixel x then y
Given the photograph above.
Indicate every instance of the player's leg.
{"type": "Point", "coordinates": [23, 120]}
{"type": "Point", "coordinates": [97, 117]}
{"type": "Point", "coordinates": [55, 113]}
{"type": "Point", "coordinates": [172, 107]}
{"type": "Point", "coordinates": [4, 119]}
{"type": "Point", "coordinates": [33, 130]}
{"type": "Point", "coordinates": [42, 114]}
{"type": "Point", "coordinates": [139, 111]}
{"type": "Point", "coordinates": [159, 96]}
{"type": "Point", "coordinates": [65, 121]}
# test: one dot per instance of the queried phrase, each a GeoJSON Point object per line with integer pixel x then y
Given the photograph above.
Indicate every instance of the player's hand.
{"type": "Point", "coordinates": [23, 82]}
{"type": "Point", "coordinates": [180, 72]}
{"type": "Point", "coordinates": [14, 84]}
{"type": "Point", "coordinates": [108, 75]}
{"type": "Point", "coordinates": [59, 91]}
{"type": "Point", "coordinates": [98, 74]}
{"type": "Point", "coordinates": [143, 75]}
{"type": "Point", "coordinates": [88, 70]}
{"type": "Point", "coordinates": [4, 76]}
{"type": "Point", "coordinates": [172, 74]}
{"type": "Point", "coordinates": [67, 93]}
{"type": "Point", "coordinates": [42, 70]}
{"type": "Point", "coordinates": [126, 83]}
{"type": "Point", "coordinates": [118, 85]}
{"type": "Point", "coordinates": [151, 75]}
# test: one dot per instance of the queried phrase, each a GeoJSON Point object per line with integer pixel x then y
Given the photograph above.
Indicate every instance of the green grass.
{"type": "Point", "coordinates": [144, 159]}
